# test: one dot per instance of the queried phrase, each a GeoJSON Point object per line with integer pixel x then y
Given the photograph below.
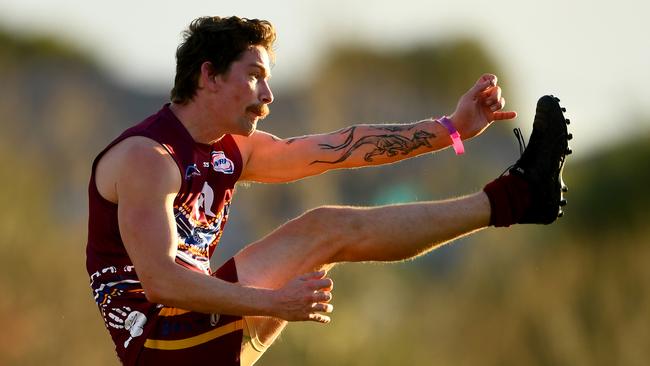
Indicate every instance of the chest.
{"type": "Point", "coordinates": [208, 183]}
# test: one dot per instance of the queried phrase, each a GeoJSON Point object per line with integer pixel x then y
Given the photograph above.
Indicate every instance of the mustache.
{"type": "Point", "coordinates": [261, 110]}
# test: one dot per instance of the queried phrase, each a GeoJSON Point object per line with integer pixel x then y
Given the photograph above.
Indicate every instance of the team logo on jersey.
{"type": "Point", "coordinates": [191, 171]}
{"type": "Point", "coordinates": [220, 163]}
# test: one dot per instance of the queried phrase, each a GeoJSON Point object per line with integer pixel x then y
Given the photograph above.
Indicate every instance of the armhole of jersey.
{"type": "Point", "coordinates": [93, 178]}
{"type": "Point", "coordinates": [93, 172]}
{"type": "Point", "coordinates": [230, 141]}
{"type": "Point", "coordinates": [175, 158]}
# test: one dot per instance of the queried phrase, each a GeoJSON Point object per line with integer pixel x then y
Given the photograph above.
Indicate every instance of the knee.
{"type": "Point", "coordinates": [332, 221]}
{"type": "Point", "coordinates": [334, 226]}
{"type": "Point", "coordinates": [317, 223]}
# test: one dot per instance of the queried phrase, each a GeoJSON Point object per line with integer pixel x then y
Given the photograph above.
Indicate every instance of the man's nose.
{"type": "Point", "coordinates": [266, 95]}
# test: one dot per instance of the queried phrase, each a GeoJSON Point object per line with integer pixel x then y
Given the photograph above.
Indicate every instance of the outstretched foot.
{"type": "Point", "coordinates": [531, 192]}
{"type": "Point", "coordinates": [542, 161]}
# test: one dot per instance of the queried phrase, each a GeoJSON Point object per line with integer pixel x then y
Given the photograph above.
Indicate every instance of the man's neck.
{"type": "Point", "coordinates": [198, 121]}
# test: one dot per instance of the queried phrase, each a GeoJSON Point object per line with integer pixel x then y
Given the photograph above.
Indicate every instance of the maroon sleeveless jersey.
{"type": "Point", "coordinates": [208, 173]}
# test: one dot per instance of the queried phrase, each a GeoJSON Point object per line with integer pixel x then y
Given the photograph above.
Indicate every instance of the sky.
{"type": "Point", "coordinates": [594, 55]}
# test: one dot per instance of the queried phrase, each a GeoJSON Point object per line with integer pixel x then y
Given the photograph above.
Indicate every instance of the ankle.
{"type": "Point", "coordinates": [509, 198]}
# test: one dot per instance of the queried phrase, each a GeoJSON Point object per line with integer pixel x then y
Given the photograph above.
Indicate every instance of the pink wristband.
{"type": "Point", "coordinates": [457, 143]}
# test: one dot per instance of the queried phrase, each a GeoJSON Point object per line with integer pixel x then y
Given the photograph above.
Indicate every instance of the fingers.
{"type": "Point", "coordinates": [480, 106]}
{"type": "Point", "coordinates": [319, 318]}
{"type": "Point", "coordinates": [495, 104]}
{"type": "Point", "coordinates": [319, 303]}
{"type": "Point", "coordinates": [317, 309]}
{"type": "Point", "coordinates": [484, 82]}
{"type": "Point", "coordinates": [306, 297]}
{"type": "Point", "coordinates": [499, 116]}
{"type": "Point", "coordinates": [323, 284]}
{"type": "Point", "coordinates": [321, 296]}
{"type": "Point", "coordinates": [317, 280]}
{"type": "Point", "coordinates": [322, 307]}
{"type": "Point", "coordinates": [491, 98]}
{"type": "Point", "coordinates": [312, 275]}
{"type": "Point", "coordinates": [491, 79]}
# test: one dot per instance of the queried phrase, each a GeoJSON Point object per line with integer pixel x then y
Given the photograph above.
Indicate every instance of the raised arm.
{"type": "Point", "coordinates": [271, 159]}
{"type": "Point", "coordinates": [141, 177]}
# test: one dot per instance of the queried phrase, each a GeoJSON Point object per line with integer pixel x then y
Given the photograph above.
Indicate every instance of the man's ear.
{"type": "Point", "coordinates": [208, 78]}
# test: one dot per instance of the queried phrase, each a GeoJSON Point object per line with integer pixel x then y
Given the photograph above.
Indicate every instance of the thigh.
{"type": "Point", "coordinates": [304, 244]}
{"type": "Point", "coordinates": [300, 246]}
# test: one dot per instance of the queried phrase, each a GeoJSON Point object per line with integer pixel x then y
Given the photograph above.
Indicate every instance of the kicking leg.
{"type": "Point", "coordinates": [530, 193]}
{"type": "Point", "coordinates": [327, 235]}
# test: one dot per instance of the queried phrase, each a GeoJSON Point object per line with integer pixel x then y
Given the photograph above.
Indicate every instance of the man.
{"type": "Point", "coordinates": [160, 194]}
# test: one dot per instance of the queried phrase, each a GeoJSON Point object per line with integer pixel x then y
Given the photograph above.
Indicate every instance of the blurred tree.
{"type": "Point", "coordinates": [58, 108]}
{"type": "Point", "coordinates": [16, 50]}
{"type": "Point", "coordinates": [613, 186]}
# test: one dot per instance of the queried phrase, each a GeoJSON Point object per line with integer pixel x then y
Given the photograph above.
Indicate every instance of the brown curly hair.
{"type": "Point", "coordinates": [219, 41]}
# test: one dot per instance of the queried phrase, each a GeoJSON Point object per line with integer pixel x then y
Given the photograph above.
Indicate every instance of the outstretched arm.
{"type": "Point", "coordinates": [271, 159]}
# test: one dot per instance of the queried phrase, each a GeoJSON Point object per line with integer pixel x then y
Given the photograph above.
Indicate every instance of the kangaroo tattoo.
{"type": "Point", "coordinates": [389, 145]}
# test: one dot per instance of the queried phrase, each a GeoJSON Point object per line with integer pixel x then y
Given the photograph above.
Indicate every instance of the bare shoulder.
{"type": "Point", "coordinates": [256, 140]}
{"type": "Point", "coordinates": [258, 143]}
{"type": "Point", "coordinates": [244, 144]}
{"type": "Point", "coordinates": [136, 163]}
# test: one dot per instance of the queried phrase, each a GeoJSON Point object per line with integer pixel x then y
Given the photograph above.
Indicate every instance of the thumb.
{"type": "Point", "coordinates": [484, 82]}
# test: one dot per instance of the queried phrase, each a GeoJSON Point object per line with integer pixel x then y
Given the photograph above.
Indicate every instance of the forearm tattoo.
{"type": "Point", "coordinates": [384, 144]}
{"type": "Point", "coordinates": [393, 128]}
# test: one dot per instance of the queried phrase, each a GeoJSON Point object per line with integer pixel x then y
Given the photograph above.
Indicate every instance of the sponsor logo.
{"type": "Point", "coordinates": [221, 163]}
{"type": "Point", "coordinates": [191, 170]}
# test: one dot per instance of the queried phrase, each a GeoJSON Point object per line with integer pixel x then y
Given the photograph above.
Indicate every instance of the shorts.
{"type": "Point", "coordinates": [182, 337]}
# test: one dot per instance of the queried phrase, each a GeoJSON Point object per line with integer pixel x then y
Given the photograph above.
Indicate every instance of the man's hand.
{"type": "Point", "coordinates": [304, 298]}
{"type": "Point", "coordinates": [479, 107]}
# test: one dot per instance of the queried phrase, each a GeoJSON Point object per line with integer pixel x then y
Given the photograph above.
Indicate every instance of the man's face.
{"type": "Point", "coordinates": [245, 92]}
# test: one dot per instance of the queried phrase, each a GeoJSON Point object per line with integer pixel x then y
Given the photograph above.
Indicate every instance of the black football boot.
{"type": "Point", "coordinates": [542, 161]}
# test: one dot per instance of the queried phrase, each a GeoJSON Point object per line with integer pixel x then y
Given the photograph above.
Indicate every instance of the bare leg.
{"type": "Point", "coordinates": [327, 235]}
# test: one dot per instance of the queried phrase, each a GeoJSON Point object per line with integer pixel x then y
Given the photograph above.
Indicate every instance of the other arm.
{"type": "Point", "coordinates": [141, 177]}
